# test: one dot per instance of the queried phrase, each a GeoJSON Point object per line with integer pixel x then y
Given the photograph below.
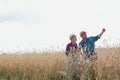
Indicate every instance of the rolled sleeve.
{"type": "Point", "coordinates": [96, 38]}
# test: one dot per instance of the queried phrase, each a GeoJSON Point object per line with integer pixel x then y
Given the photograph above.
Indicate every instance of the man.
{"type": "Point", "coordinates": [72, 46]}
{"type": "Point", "coordinates": [73, 58]}
{"type": "Point", "coordinates": [88, 43]}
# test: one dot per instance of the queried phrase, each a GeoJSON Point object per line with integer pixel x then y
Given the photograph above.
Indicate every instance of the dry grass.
{"type": "Point", "coordinates": [52, 66]}
{"type": "Point", "coordinates": [109, 64]}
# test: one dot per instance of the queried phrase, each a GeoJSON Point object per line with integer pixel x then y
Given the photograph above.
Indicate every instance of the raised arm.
{"type": "Point", "coordinates": [103, 30]}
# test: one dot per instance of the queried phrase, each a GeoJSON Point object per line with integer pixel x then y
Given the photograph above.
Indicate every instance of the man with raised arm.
{"type": "Point", "coordinates": [88, 43]}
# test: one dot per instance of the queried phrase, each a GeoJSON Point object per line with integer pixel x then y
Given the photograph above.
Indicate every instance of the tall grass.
{"type": "Point", "coordinates": [53, 66]}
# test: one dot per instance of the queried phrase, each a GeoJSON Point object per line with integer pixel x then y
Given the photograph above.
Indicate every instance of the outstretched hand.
{"type": "Point", "coordinates": [103, 30]}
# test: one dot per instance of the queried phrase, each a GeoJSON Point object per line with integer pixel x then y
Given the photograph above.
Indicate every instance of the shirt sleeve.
{"type": "Point", "coordinates": [95, 38]}
{"type": "Point", "coordinates": [67, 50]}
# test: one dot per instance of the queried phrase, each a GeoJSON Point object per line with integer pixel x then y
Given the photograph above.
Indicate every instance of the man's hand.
{"type": "Point", "coordinates": [103, 30]}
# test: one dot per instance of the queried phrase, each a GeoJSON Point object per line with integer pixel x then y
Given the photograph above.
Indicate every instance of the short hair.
{"type": "Point", "coordinates": [82, 32]}
{"type": "Point", "coordinates": [71, 36]}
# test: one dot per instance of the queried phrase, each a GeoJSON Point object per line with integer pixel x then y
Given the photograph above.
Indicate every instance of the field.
{"type": "Point", "coordinates": [53, 66]}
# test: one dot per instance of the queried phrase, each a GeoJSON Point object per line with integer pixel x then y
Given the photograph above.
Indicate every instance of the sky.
{"type": "Point", "coordinates": [27, 25]}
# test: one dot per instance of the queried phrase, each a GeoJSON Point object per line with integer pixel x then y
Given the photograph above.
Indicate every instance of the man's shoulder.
{"type": "Point", "coordinates": [91, 38]}
{"type": "Point", "coordinates": [69, 44]}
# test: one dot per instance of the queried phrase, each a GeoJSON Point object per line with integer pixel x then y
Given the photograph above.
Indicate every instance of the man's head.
{"type": "Point", "coordinates": [83, 35]}
{"type": "Point", "coordinates": [73, 38]}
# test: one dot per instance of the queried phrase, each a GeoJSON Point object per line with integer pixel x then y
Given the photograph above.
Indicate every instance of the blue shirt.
{"type": "Point", "coordinates": [89, 44]}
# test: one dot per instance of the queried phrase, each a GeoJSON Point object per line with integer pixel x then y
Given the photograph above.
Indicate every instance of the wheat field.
{"type": "Point", "coordinates": [53, 66]}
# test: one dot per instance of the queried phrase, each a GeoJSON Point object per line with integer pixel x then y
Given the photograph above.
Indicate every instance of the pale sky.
{"type": "Point", "coordinates": [40, 24]}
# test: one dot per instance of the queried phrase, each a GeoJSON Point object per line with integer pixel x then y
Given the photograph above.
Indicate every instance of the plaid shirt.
{"type": "Point", "coordinates": [71, 46]}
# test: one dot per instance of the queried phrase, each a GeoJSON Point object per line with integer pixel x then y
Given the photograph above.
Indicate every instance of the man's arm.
{"type": "Point", "coordinates": [103, 30]}
{"type": "Point", "coordinates": [67, 50]}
